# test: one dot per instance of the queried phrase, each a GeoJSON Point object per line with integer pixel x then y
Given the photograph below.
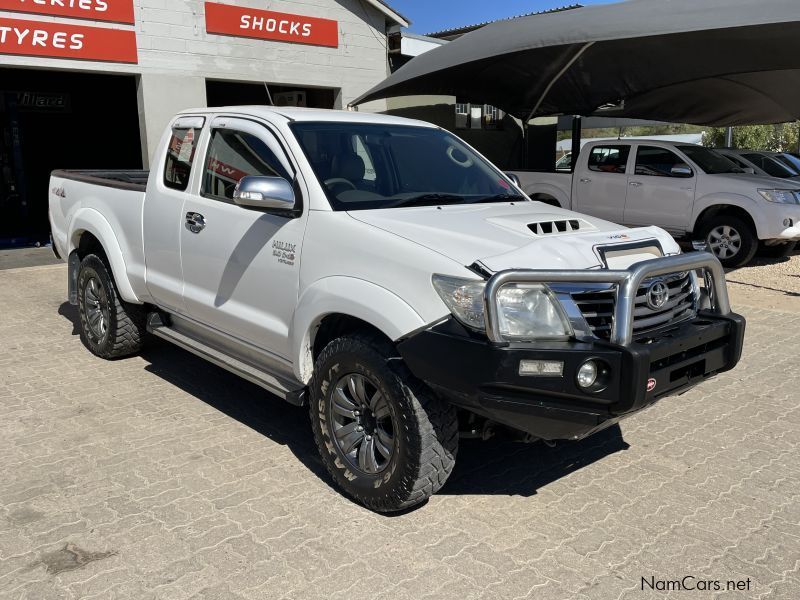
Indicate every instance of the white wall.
{"type": "Point", "coordinates": [176, 54]}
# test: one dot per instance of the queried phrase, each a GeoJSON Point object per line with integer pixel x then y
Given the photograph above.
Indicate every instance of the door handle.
{"type": "Point", "coordinates": [195, 222]}
{"type": "Point", "coordinates": [585, 180]}
{"type": "Point", "coordinates": [635, 183]}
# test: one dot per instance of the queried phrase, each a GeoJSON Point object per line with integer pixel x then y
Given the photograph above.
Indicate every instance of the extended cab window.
{"type": "Point", "coordinates": [180, 155]}
{"type": "Point", "coordinates": [233, 155]}
{"type": "Point", "coordinates": [657, 162]}
{"type": "Point", "coordinates": [609, 159]}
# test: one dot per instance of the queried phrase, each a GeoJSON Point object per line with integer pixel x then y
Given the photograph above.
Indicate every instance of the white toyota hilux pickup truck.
{"type": "Point", "coordinates": [385, 275]}
{"type": "Point", "coordinates": [689, 190]}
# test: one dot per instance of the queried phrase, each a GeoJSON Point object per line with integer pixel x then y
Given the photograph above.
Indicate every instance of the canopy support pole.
{"type": "Point", "coordinates": [577, 127]}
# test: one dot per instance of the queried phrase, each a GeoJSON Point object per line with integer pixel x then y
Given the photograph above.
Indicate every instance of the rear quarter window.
{"type": "Point", "coordinates": [180, 156]}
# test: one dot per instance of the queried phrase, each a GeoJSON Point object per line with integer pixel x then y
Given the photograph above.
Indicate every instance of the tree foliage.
{"type": "Point", "coordinates": [775, 138]}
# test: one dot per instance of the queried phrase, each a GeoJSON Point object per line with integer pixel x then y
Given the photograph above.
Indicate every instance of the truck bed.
{"type": "Point", "coordinates": [135, 180]}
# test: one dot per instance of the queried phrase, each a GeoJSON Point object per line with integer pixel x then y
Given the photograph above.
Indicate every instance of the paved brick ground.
{"type": "Point", "coordinates": [164, 477]}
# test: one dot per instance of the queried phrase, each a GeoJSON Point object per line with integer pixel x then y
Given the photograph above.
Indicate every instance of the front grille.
{"type": "Point", "coordinates": [597, 307]}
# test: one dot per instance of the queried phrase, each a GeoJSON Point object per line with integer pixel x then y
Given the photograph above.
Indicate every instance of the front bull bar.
{"type": "Point", "coordinates": [627, 283]}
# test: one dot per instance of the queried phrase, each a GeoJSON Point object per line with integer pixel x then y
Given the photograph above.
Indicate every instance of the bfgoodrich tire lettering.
{"type": "Point", "coordinates": [424, 428]}
{"type": "Point", "coordinates": [110, 328]}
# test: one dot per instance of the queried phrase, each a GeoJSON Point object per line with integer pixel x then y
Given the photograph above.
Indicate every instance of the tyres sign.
{"type": "Point", "coordinates": [56, 40]}
{"type": "Point", "coordinates": [224, 19]}
{"type": "Point", "coordinates": [117, 11]}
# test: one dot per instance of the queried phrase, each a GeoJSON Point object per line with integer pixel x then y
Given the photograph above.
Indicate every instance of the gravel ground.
{"type": "Point", "coordinates": [768, 283]}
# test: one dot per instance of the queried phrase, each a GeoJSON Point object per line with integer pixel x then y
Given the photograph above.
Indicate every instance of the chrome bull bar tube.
{"type": "Point", "coordinates": [627, 283]}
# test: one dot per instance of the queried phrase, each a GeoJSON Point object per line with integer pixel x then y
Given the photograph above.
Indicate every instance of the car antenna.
{"type": "Point", "coordinates": [269, 96]}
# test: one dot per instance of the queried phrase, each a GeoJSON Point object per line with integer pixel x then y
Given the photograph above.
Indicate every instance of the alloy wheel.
{"type": "Point", "coordinates": [362, 424]}
{"type": "Point", "coordinates": [724, 241]}
{"type": "Point", "coordinates": [96, 307]}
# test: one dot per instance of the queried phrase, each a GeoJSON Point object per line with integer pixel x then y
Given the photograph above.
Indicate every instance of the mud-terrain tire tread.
{"type": "Point", "coordinates": [128, 321]}
{"type": "Point", "coordinates": [434, 426]}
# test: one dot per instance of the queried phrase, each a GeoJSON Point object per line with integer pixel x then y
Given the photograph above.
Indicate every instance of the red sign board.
{"type": "Point", "coordinates": [117, 11]}
{"type": "Point", "coordinates": [236, 21]}
{"type": "Point", "coordinates": [55, 40]}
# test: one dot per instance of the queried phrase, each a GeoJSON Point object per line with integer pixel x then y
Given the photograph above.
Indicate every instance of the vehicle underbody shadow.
{"type": "Point", "coordinates": [501, 467]}
{"type": "Point", "coordinates": [493, 467]}
{"type": "Point", "coordinates": [70, 313]}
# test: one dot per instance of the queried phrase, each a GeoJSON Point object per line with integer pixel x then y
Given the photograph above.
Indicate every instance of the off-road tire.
{"type": "Point", "coordinates": [749, 242]}
{"type": "Point", "coordinates": [425, 427]}
{"type": "Point", "coordinates": [125, 328]}
{"type": "Point", "coordinates": [776, 251]}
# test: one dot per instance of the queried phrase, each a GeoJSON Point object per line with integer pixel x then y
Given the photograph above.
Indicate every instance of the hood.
{"type": "Point", "coordinates": [522, 235]}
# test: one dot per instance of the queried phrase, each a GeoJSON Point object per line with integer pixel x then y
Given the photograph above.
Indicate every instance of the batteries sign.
{"type": "Point", "coordinates": [116, 11]}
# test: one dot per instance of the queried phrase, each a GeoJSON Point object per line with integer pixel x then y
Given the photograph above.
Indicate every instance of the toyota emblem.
{"type": "Point", "coordinates": [657, 295]}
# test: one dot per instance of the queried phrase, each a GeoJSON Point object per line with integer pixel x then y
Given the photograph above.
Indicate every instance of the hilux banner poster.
{"type": "Point", "coordinates": [57, 40]}
{"type": "Point", "coordinates": [224, 19]}
{"type": "Point", "coordinates": [116, 11]}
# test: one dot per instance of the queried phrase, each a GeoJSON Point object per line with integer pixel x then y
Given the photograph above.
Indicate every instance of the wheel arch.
{"type": "Point", "coordinates": [724, 209]}
{"type": "Point", "coordinates": [335, 306]}
{"type": "Point", "coordinates": [90, 233]}
{"type": "Point", "coordinates": [549, 194]}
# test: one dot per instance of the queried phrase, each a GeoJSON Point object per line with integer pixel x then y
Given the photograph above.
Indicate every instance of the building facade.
{"type": "Point", "coordinates": [92, 83]}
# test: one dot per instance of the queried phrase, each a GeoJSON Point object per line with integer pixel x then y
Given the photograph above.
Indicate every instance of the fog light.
{"type": "Point", "coordinates": [587, 374]}
{"type": "Point", "coordinates": [541, 368]}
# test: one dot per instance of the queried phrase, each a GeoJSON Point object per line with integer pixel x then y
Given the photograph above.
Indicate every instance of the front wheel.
{"type": "Point", "coordinates": [731, 239]}
{"type": "Point", "coordinates": [388, 442]}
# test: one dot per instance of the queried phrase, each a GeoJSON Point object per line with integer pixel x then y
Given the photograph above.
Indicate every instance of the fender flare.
{"type": "Point", "coordinates": [352, 297]}
{"type": "Point", "coordinates": [741, 201]}
{"type": "Point", "coordinates": [92, 221]}
{"type": "Point", "coordinates": [549, 189]}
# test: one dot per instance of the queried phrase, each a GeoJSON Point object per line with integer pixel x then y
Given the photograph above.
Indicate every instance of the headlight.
{"type": "Point", "coordinates": [464, 298]}
{"type": "Point", "coordinates": [780, 196]}
{"type": "Point", "coordinates": [525, 311]}
{"type": "Point", "coordinates": [529, 311]}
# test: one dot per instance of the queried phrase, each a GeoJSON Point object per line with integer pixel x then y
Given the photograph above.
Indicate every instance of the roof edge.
{"type": "Point", "coordinates": [389, 12]}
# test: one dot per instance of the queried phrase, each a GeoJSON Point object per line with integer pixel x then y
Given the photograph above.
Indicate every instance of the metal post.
{"type": "Point", "coordinates": [729, 137]}
{"type": "Point", "coordinates": [576, 140]}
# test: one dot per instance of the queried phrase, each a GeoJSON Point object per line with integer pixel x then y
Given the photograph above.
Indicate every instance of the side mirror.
{"type": "Point", "coordinates": [681, 170]}
{"type": "Point", "coordinates": [266, 193]}
{"type": "Point", "coordinates": [749, 170]}
{"type": "Point", "coordinates": [514, 179]}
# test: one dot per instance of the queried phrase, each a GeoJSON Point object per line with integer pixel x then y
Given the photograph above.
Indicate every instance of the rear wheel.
{"type": "Point", "coordinates": [110, 327]}
{"type": "Point", "coordinates": [731, 239]}
{"type": "Point", "coordinates": [388, 442]}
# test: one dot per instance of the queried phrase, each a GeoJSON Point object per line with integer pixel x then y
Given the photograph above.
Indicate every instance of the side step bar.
{"type": "Point", "coordinates": [277, 386]}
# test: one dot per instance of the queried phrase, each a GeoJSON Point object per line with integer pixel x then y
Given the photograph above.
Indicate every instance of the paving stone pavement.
{"type": "Point", "coordinates": [162, 476]}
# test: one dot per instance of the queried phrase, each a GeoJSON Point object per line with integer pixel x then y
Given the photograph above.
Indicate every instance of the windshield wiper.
{"type": "Point", "coordinates": [429, 199]}
{"type": "Point", "coordinates": [498, 198]}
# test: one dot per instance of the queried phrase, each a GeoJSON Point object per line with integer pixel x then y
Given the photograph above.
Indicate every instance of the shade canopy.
{"type": "Point", "coordinates": [708, 62]}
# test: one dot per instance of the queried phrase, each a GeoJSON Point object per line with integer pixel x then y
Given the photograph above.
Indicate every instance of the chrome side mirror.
{"type": "Point", "coordinates": [681, 170]}
{"type": "Point", "coordinates": [266, 193]}
{"type": "Point", "coordinates": [515, 180]}
{"type": "Point", "coordinates": [749, 170]}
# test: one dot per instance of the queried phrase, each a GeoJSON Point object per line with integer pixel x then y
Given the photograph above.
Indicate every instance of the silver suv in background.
{"type": "Point", "coordinates": [761, 162]}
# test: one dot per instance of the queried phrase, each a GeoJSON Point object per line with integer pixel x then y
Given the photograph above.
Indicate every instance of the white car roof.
{"type": "Point", "coordinates": [298, 114]}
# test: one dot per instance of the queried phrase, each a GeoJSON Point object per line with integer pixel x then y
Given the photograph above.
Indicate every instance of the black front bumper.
{"type": "Point", "coordinates": [484, 378]}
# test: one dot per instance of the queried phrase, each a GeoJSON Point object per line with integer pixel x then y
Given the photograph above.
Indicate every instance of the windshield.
{"type": "Point", "coordinates": [365, 166]}
{"type": "Point", "coordinates": [790, 160]}
{"type": "Point", "coordinates": [710, 161]}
